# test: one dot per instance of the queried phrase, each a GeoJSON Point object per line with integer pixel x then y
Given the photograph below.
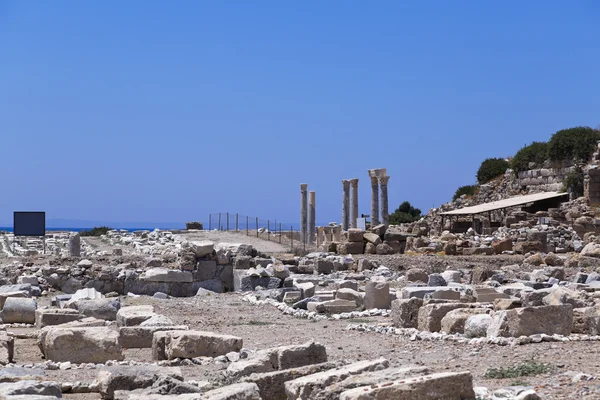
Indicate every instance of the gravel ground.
{"type": "Point", "coordinates": [264, 326]}
{"type": "Point", "coordinates": [259, 244]}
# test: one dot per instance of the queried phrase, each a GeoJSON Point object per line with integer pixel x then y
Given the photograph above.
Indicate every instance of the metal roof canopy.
{"type": "Point", "coordinates": [506, 203]}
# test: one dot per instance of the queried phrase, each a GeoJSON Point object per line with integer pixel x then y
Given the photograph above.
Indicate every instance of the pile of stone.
{"type": "Point", "coordinates": [544, 304]}
{"type": "Point", "coordinates": [378, 240]}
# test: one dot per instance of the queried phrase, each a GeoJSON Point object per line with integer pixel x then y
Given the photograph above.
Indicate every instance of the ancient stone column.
{"type": "Point", "coordinates": [345, 204]}
{"type": "Point", "coordinates": [311, 216]}
{"type": "Point", "coordinates": [303, 212]}
{"type": "Point", "coordinates": [354, 195]}
{"type": "Point", "coordinates": [374, 200]}
{"type": "Point", "coordinates": [383, 187]}
{"type": "Point", "coordinates": [75, 245]}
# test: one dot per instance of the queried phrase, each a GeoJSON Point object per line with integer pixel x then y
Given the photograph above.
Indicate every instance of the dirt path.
{"type": "Point", "coordinates": [260, 244]}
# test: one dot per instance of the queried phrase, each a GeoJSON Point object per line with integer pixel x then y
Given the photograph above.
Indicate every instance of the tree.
{"type": "Point", "coordinates": [536, 152]}
{"type": "Point", "coordinates": [469, 190]}
{"type": "Point", "coordinates": [405, 213]}
{"type": "Point", "coordinates": [577, 144]}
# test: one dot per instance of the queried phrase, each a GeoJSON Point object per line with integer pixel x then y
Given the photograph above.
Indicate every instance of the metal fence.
{"type": "Point", "coordinates": [268, 229]}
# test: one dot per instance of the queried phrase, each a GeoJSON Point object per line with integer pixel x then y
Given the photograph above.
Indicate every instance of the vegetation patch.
{"type": "Point", "coordinates": [491, 168]}
{"type": "Point", "coordinates": [469, 190]}
{"type": "Point", "coordinates": [529, 368]}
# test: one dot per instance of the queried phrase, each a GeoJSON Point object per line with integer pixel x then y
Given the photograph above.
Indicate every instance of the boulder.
{"type": "Point", "coordinates": [591, 250]}
{"type": "Point", "coordinates": [30, 390]}
{"type": "Point", "coordinates": [81, 345]}
{"type": "Point", "coordinates": [237, 391]}
{"type": "Point", "coordinates": [560, 295]}
{"type": "Point", "coordinates": [351, 248]}
{"type": "Point", "coordinates": [158, 343]}
{"type": "Point", "coordinates": [553, 260]}
{"type": "Point", "coordinates": [7, 348]}
{"type": "Point", "coordinates": [436, 280]}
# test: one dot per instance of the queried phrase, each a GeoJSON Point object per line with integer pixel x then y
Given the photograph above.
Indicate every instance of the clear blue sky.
{"type": "Point", "coordinates": [170, 110]}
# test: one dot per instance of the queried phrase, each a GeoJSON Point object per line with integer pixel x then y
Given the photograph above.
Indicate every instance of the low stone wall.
{"type": "Point", "coordinates": [544, 179]}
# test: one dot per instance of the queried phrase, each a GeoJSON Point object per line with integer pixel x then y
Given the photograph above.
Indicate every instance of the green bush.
{"type": "Point", "coordinates": [405, 213]}
{"type": "Point", "coordinates": [574, 181]}
{"type": "Point", "coordinates": [96, 231]}
{"type": "Point", "coordinates": [491, 168]}
{"type": "Point", "coordinates": [576, 144]}
{"type": "Point", "coordinates": [469, 190]}
{"type": "Point", "coordinates": [536, 152]}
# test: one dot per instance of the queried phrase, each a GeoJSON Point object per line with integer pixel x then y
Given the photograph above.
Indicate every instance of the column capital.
{"type": "Point", "coordinates": [346, 182]}
{"type": "Point", "coordinates": [374, 181]}
{"type": "Point", "coordinates": [303, 187]}
{"type": "Point", "coordinates": [354, 182]}
{"type": "Point", "coordinates": [383, 180]}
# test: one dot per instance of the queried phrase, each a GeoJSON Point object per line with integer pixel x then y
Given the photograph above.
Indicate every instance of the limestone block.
{"type": "Point", "coordinates": [488, 294]}
{"type": "Point", "coordinates": [112, 379]}
{"type": "Point", "coordinates": [405, 312]}
{"type": "Point", "coordinates": [167, 275]}
{"type": "Point", "coordinates": [323, 267]}
{"type": "Point", "coordinates": [477, 325]}
{"type": "Point", "coordinates": [82, 345]}
{"type": "Point", "coordinates": [377, 295]}
{"type": "Point", "coordinates": [191, 344]}
{"type": "Point", "coordinates": [141, 336]}
{"type": "Point", "coordinates": [586, 320]}
{"type": "Point", "coordinates": [272, 384]}
{"type": "Point", "coordinates": [336, 306]}
{"type": "Point", "coordinates": [55, 316]}
{"type": "Point", "coordinates": [454, 321]}
{"type": "Point", "coordinates": [7, 348]}
{"type": "Point", "coordinates": [372, 238]}
{"type": "Point", "coordinates": [355, 235]}
{"type": "Point", "coordinates": [528, 321]}
{"type": "Point", "coordinates": [299, 355]}
{"type": "Point", "coordinates": [237, 391]}
{"type": "Point", "coordinates": [106, 309]}
{"type": "Point", "coordinates": [302, 388]}
{"type": "Point", "coordinates": [19, 310]}
{"type": "Point", "coordinates": [158, 345]}
{"type": "Point", "coordinates": [351, 294]}
{"type": "Point", "coordinates": [30, 390]}
{"type": "Point", "coordinates": [440, 386]}
{"type": "Point", "coordinates": [28, 279]}
{"type": "Point", "coordinates": [263, 361]}
{"type": "Point", "coordinates": [134, 315]}
{"type": "Point", "coordinates": [417, 275]}
{"type": "Point", "coordinates": [430, 315]}
{"type": "Point", "coordinates": [351, 248]}
{"type": "Point", "coordinates": [202, 248]}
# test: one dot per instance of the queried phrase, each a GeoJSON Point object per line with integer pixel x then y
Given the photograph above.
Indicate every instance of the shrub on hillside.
{"type": "Point", "coordinates": [491, 168]}
{"type": "Point", "coordinates": [576, 144]}
{"type": "Point", "coordinates": [574, 182]}
{"type": "Point", "coordinates": [405, 213]}
{"type": "Point", "coordinates": [469, 190]}
{"type": "Point", "coordinates": [96, 231]}
{"type": "Point", "coordinates": [536, 152]}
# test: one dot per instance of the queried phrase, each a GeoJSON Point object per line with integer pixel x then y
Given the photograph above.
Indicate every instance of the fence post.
{"type": "Point", "coordinates": [279, 232]}
{"type": "Point", "coordinates": [247, 226]}
{"type": "Point", "coordinates": [209, 222]}
{"type": "Point", "coordinates": [292, 236]}
{"type": "Point", "coordinates": [269, 230]}
{"type": "Point", "coordinates": [236, 222]}
{"type": "Point", "coordinates": [219, 227]}
{"type": "Point", "coordinates": [227, 222]}
{"type": "Point", "coordinates": [256, 226]}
